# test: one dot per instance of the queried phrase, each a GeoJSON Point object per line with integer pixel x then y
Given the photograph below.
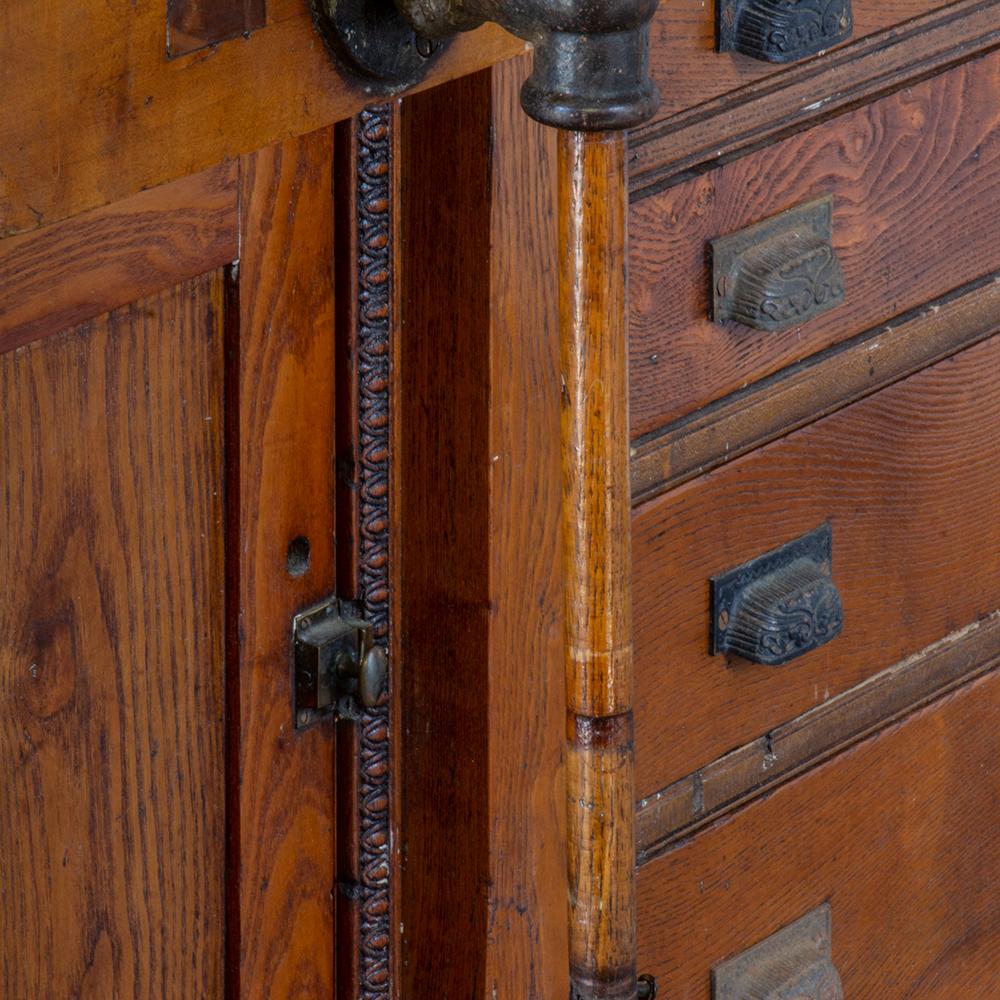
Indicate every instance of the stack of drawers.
{"type": "Point", "coordinates": [823, 826]}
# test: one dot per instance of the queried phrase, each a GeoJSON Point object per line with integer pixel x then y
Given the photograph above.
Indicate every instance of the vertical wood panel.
{"type": "Point", "coordinates": [282, 486]}
{"type": "Point", "coordinates": [483, 896]}
{"type": "Point", "coordinates": [111, 668]}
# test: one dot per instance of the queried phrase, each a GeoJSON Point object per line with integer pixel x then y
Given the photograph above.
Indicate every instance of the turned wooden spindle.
{"type": "Point", "coordinates": [596, 544]}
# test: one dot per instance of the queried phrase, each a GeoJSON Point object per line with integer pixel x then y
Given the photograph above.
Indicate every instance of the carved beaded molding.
{"type": "Point", "coordinates": [374, 222]}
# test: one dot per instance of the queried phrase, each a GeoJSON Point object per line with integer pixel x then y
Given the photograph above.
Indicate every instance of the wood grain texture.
{"type": "Point", "coordinates": [758, 767]}
{"type": "Point", "coordinates": [904, 478]}
{"type": "Point", "coordinates": [281, 919]}
{"type": "Point", "coordinates": [912, 220]}
{"type": "Point", "coordinates": [823, 384]}
{"type": "Point", "coordinates": [899, 834]}
{"type": "Point", "coordinates": [95, 111]}
{"type": "Point", "coordinates": [600, 780]}
{"type": "Point", "coordinates": [73, 271]}
{"type": "Point", "coordinates": [483, 894]}
{"type": "Point", "coordinates": [111, 658]}
{"type": "Point", "coordinates": [193, 24]}
{"type": "Point", "coordinates": [689, 71]}
{"type": "Point", "coordinates": [668, 151]}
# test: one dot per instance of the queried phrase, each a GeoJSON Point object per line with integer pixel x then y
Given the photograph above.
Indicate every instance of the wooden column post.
{"type": "Point", "coordinates": [597, 565]}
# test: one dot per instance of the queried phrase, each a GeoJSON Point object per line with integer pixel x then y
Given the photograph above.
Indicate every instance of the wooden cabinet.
{"type": "Point", "coordinates": [273, 333]}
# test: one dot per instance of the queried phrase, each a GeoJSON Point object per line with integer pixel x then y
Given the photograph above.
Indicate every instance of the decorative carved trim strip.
{"type": "Point", "coordinates": [817, 387]}
{"type": "Point", "coordinates": [374, 325]}
{"type": "Point", "coordinates": [704, 137]}
{"type": "Point", "coordinates": [756, 768]}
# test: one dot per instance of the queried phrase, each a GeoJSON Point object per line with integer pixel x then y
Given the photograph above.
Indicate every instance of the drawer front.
{"type": "Point", "coordinates": [689, 70]}
{"type": "Point", "coordinates": [898, 836]}
{"type": "Point", "coordinates": [907, 481]}
{"type": "Point", "coordinates": [915, 183]}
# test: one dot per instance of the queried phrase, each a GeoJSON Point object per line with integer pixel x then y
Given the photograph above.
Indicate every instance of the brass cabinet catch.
{"type": "Point", "coordinates": [782, 31]}
{"type": "Point", "coordinates": [336, 663]}
{"type": "Point", "coordinates": [779, 606]}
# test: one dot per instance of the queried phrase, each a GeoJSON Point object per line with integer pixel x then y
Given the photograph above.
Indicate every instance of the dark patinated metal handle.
{"type": "Point", "coordinates": [779, 273]}
{"type": "Point", "coordinates": [779, 606]}
{"type": "Point", "coordinates": [591, 70]}
{"type": "Point", "coordinates": [782, 31]}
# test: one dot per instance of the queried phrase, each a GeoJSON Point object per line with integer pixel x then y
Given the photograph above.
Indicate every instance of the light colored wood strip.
{"type": "Point", "coordinates": [72, 271]}
{"type": "Point", "coordinates": [597, 565]}
{"type": "Point", "coordinates": [829, 728]}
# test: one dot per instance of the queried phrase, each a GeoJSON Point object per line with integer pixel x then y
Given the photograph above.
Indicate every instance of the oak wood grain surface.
{"type": "Point", "coordinates": [483, 904]}
{"type": "Point", "coordinates": [898, 834]}
{"type": "Point", "coordinates": [95, 111]}
{"type": "Point", "coordinates": [72, 271]}
{"type": "Point", "coordinates": [666, 151]}
{"type": "Point", "coordinates": [600, 756]}
{"type": "Point", "coordinates": [111, 655]}
{"type": "Point", "coordinates": [689, 71]}
{"type": "Point", "coordinates": [281, 410]}
{"type": "Point", "coordinates": [912, 219]}
{"type": "Point", "coordinates": [906, 478]}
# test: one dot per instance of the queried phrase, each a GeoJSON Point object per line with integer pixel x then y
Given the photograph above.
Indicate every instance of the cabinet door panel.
{"type": "Point", "coordinates": [111, 654]}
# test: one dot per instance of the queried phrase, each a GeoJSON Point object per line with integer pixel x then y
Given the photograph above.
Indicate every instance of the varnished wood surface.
{"type": "Point", "coordinates": [94, 111]}
{"type": "Point", "coordinates": [281, 409]}
{"type": "Point", "coordinates": [596, 564]}
{"type": "Point", "coordinates": [827, 382]}
{"type": "Point", "coordinates": [689, 71]}
{"type": "Point", "coordinates": [666, 151]}
{"type": "Point", "coordinates": [898, 834]}
{"type": "Point", "coordinates": [759, 766]}
{"type": "Point", "coordinates": [905, 478]}
{"type": "Point", "coordinates": [912, 220]}
{"type": "Point", "coordinates": [194, 24]}
{"type": "Point", "coordinates": [482, 898]}
{"type": "Point", "coordinates": [73, 271]}
{"type": "Point", "coordinates": [111, 656]}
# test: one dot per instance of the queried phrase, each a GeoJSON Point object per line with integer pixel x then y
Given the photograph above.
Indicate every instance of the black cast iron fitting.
{"type": "Point", "coordinates": [591, 69]}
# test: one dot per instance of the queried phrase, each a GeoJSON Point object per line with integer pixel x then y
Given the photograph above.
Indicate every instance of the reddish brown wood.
{"type": "Point", "coordinates": [483, 902]}
{"type": "Point", "coordinates": [903, 476]}
{"type": "Point", "coordinates": [757, 767]}
{"type": "Point", "coordinates": [666, 151]}
{"type": "Point", "coordinates": [825, 383]}
{"type": "Point", "coordinates": [281, 400]}
{"type": "Point", "coordinates": [912, 220]}
{"type": "Point", "coordinates": [899, 835]}
{"type": "Point", "coordinates": [95, 111]}
{"type": "Point", "coordinates": [111, 657]}
{"type": "Point", "coordinates": [596, 565]}
{"type": "Point", "coordinates": [689, 71]}
{"type": "Point", "coordinates": [72, 271]}
{"type": "Point", "coordinates": [193, 24]}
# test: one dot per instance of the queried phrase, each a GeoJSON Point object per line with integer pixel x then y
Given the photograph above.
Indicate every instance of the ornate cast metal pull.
{"type": "Point", "coordinates": [779, 606]}
{"type": "Point", "coordinates": [780, 273]}
{"type": "Point", "coordinates": [591, 68]}
{"type": "Point", "coordinates": [782, 31]}
{"type": "Point", "coordinates": [795, 963]}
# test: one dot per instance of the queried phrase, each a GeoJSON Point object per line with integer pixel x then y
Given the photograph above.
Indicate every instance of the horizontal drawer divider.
{"type": "Point", "coordinates": [814, 388]}
{"type": "Point", "coordinates": [675, 813]}
{"type": "Point", "coordinates": [670, 152]}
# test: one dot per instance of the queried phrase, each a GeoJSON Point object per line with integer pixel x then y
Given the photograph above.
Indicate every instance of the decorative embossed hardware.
{"type": "Point", "coordinates": [779, 606]}
{"type": "Point", "coordinates": [782, 31]}
{"type": "Point", "coordinates": [779, 273]}
{"type": "Point", "coordinates": [795, 963]}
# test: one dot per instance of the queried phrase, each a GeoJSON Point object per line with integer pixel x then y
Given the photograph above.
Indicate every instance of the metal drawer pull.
{"type": "Point", "coordinates": [795, 963]}
{"type": "Point", "coordinates": [780, 605]}
{"type": "Point", "coordinates": [782, 31]}
{"type": "Point", "coordinates": [779, 273]}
